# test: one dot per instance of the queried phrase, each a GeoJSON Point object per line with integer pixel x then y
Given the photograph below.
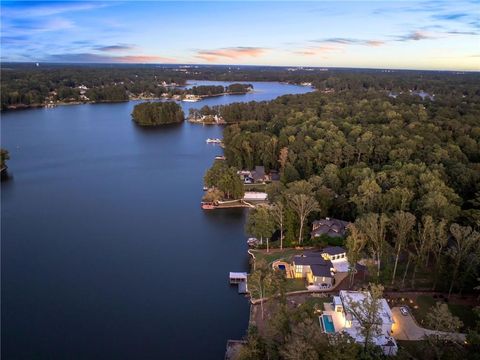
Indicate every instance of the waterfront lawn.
{"type": "Point", "coordinates": [295, 285]}
{"type": "Point", "coordinates": [255, 187]}
{"type": "Point", "coordinates": [276, 254]}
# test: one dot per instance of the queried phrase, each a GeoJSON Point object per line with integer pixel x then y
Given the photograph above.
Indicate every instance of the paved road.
{"type": "Point", "coordinates": [406, 328]}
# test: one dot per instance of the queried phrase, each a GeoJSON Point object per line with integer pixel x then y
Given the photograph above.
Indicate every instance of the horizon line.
{"type": "Point", "coordinates": [237, 65]}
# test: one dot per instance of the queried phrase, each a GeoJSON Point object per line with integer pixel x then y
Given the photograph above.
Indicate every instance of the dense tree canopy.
{"type": "Point", "coordinates": [224, 178]}
{"type": "Point", "coordinates": [157, 113]}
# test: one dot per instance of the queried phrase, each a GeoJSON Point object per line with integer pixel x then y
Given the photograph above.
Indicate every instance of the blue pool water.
{"type": "Point", "coordinates": [328, 324]}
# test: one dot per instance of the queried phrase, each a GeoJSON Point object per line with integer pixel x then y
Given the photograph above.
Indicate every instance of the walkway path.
{"type": "Point", "coordinates": [406, 328]}
{"type": "Point", "coordinates": [339, 278]}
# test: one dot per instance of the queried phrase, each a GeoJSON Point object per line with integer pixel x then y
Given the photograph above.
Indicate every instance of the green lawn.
{"type": "Point", "coordinates": [285, 254]}
{"type": "Point", "coordinates": [255, 187]}
{"type": "Point", "coordinates": [295, 285]}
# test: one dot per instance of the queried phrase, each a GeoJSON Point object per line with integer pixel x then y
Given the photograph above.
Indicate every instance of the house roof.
{"type": "Point", "coordinates": [385, 314]}
{"type": "Point", "coordinates": [330, 227]}
{"type": "Point", "coordinates": [334, 250]}
{"type": "Point", "coordinates": [274, 175]}
{"type": "Point", "coordinates": [258, 173]}
{"type": "Point", "coordinates": [311, 258]}
{"type": "Point", "coordinates": [238, 275]}
{"type": "Point", "coordinates": [321, 270]}
{"type": "Point", "coordinates": [308, 260]}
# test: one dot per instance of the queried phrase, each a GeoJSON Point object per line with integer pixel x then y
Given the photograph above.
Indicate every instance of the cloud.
{"type": "Point", "coordinates": [29, 10]}
{"type": "Point", "coordinates": [414, 36]}
{"type": "Point", "coordinates": [320, 50]}
{"type": "Point", "coordinates": [230, 53]}
{"type": "Point", "coordinates": [375, 43]}
{"type": "Point", "coordinates": [454, 16]}
{"type": "Point", "coordinates": [455, 32]}
{"type": "Point", "coordinates": [116, 48]}
{"type": "Point", "coordinates": [96, 58]}
{"type": "Point", "coordinates": [350, 41]}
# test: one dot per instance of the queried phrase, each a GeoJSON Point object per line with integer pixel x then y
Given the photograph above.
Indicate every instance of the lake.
{"type": "Point", "coordinates": [105, 250]}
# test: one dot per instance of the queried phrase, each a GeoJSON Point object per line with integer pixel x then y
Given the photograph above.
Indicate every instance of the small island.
{"type": "Point", "coordinates": [157, 113]}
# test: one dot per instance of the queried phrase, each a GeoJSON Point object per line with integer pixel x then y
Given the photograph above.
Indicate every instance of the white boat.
{"type": "Point", "coordinates": [214, 141]}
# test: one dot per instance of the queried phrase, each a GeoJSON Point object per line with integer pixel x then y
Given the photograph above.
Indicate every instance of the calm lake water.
{"type": "Point", "coordinates": [106, 253]}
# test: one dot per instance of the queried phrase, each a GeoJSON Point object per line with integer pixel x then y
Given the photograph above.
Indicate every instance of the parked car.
{"type": "Point", "coordinates": [404, 311]}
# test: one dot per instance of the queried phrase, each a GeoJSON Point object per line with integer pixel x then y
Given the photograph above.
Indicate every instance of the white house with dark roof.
{"type": "Point", "coordinates": [339, 317]}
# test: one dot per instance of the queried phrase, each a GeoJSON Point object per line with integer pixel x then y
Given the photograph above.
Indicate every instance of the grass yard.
{"type": "Point", "coordinates": [276, 254]}
{"type": "Point", "coordinates": [295, 285]}
{"type": "Point", "coordinates": [255, 187]}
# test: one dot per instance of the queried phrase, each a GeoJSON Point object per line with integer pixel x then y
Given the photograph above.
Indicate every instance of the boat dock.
{"type": "Point", "coordinates": [240, 279]}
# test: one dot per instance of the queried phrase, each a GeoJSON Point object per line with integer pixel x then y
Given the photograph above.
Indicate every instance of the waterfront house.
{"type": "Point", "coordinates": [315, 268]}
{"type": "Point", "coordinates": [339, 316]}
{"type": "Point", "coordinates": [258, 175]}
{"type": "Point", "coordinates": [330, 227]}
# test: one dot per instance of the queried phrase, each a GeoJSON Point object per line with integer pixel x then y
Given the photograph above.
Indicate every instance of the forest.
{"type": "Point", "coordinates": [157, 113]}
{"type": "Point", "coordinates": [24, 86]}
{"type": "Point", "coordinates": [27, 85]}
{"type": "Point", "coordinates": [403, 169]}
{"type": "Point", "coordinates": [368, 158]}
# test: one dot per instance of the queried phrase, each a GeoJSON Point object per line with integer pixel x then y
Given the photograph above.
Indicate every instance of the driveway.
{"type": "Point", "coordinates": [406, 328]}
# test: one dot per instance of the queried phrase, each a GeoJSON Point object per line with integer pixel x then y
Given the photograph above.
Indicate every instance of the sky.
{"type": "Point", "coordinates": [436, 35]}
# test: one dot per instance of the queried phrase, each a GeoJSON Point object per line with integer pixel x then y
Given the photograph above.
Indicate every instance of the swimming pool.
{"type": "Point", "coordinates": [327, 322]}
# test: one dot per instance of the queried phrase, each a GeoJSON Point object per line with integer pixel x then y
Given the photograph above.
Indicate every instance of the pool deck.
{"type": "Point", "coordinates": [338, 321]}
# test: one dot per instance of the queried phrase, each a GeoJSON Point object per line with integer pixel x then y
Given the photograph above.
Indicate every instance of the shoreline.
{"type": "Point", "coordinates": [63, 103]}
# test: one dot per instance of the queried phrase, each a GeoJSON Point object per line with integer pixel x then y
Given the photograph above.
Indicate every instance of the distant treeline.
{"type": "Point", "coordinates": [212, 90]}
{"type": "Point", "coordinates": [157, 113]}
{"type": "Point", "coordinates": [25, 85]}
